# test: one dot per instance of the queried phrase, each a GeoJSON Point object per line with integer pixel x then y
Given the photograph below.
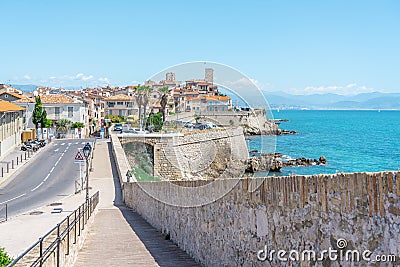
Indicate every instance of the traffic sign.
{"type": "Point", "coordinates": [79, 157]}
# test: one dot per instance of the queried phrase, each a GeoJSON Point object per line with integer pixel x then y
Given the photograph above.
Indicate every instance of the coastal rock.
{"type": "Point", "coordinates": [274, 162]}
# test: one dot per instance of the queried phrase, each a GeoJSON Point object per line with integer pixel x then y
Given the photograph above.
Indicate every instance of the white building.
{"type": "Point", "coordinates": [57, 107]}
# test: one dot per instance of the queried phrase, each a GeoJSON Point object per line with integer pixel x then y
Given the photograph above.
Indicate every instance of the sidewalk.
{"type": "Point", "coordinates": [12, 155]}
{"type": "Point", "coordinates": [119, 236]}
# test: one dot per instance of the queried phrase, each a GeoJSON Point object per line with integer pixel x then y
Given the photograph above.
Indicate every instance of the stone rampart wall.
{"type": "Point", "coordinates": [289, 213]}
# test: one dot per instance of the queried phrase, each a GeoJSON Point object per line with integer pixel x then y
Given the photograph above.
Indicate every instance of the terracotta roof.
{"type": "Point", "coordinates": [210, 97]}
{"type": "Point", "coordinates": [49, 99]}
{"type": "Point", "coordinates": [25, 100]}
{"type": "Point", "coordinates": [119, 97]}
{"type": "Point", "coordinates": [7, 106]}
{"type": "Point", "coordinates": [13, 94]}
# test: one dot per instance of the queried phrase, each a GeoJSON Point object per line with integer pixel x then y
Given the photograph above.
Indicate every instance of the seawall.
{"type": "Point", "coordinates": [289, 213]}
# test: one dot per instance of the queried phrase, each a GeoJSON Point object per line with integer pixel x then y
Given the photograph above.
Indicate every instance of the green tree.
{"type": "Point", "coordinates": [155, 120]}
{"type": "Point", "coordinates": [37, 115]}
{"type": "Point", "coordinates": [48, 123]}
{"type": "Point", "coordinates": [77, 125]}
{"type": "Point", "coordinates": [4, 258]}
{"type": "Point", "coordinates": [164, 91]}
{"type": "Point", "coordinates": [62, 125]}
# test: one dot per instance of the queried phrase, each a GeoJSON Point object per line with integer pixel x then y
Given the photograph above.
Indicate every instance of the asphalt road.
{"type": "Point", "coordinates": [46, 179]}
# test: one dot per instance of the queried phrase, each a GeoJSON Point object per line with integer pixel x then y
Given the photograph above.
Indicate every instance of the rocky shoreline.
{"type": "Point", "coordinates": [275, 162]}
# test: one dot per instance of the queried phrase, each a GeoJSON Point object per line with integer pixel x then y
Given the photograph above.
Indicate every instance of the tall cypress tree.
{"type": "Point", "coordinates": [39, 115]}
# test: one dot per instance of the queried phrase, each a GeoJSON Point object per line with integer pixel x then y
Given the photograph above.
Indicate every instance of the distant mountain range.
{"type": "Point", "coordinates": [375, 100]}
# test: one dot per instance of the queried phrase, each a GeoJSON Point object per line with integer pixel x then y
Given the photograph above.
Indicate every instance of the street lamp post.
{"type": "Point", "coordinates": [87, 149]}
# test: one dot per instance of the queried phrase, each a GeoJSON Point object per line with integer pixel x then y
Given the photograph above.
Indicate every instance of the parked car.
{"type": "Point", "coordinates": [205, 125]}
{"type": "Point", "coordinates": [118, 127]}
{"type": "Point", "coordinates": [188, 125]}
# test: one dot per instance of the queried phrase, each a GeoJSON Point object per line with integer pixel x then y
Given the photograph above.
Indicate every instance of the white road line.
{"type": "Point", "coordinates": [63, 154]}
{"type": "Point", "coordinates": [45, 179]}
{"type": "Point", "coordinates": [52, 169]}
{"type": "Point", "coordinates": [69, 144]}
{"type": "Point", "coordinates": [39, 185]}
{"type": "Point", "coordinates": [76, 143]}
{"type": "Point", "coordinates": [14, 198]}
{"type": "Point", "coordinates": [83, 143]}
{"type": "Point", "coordinates": [55, 150]}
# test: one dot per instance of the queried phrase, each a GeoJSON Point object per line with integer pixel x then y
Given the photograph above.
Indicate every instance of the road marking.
{"type": "Point", "coordinates": [14, 198]}
{"type": "Point", "coordinates": [69, 144]}
{"type": "Point", "coordinates": [63, 144]}
{"type": "Point", "coordinates": [37, 187]}
{"type": "Point", "coordinates": [55, 150]}
{"type": "Point", "coordinates": [83, 143]}
{"type": "Point", "coordinates": [45, 179]}
{"type": "Point", "coordinates": [52, 169]}
{"type": "Point", "coordinates": [76, 143]}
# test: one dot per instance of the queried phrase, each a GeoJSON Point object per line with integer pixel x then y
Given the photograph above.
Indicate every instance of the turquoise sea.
{"type": "Point", "coordinates": [351, 141]}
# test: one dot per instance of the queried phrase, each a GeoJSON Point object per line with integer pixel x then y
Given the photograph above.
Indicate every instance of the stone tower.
{"type": "Point", "coordinates": [209, 75]}
{"type": "Point", "coordinates": [170, 76]}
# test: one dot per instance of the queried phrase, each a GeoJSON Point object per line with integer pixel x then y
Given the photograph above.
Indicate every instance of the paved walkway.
{"type": "Point", "coordinates": [118, 236]}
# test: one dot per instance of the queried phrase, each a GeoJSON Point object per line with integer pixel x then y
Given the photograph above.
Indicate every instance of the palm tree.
{"type": "Point", "coordinates": [143, 93]}
{"type": "Point", "coordinates": [62, 125]}
{"type": "Point", "coordinates": [164, 91]}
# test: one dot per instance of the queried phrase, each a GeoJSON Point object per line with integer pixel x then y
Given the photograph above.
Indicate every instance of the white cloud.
{"type": "Point", "coordinates": [27, 77]}
{"type": "Point", "coordinates": [86, 78]}
{"type": "Point", "coordinates": [104, 80]}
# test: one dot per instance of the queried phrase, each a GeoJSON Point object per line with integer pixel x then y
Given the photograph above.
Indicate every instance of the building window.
{"type": "Point", "coordinates": [210, 103]}
{"type": "Point", "coordinates": [210, 108]}
{"type": "Point", "coordinates": [119, 112]}
{"type": "Point", "coordinates": [70, 112]}
{"type": "Point", "coordinates": [57, 112]}
{"type": "Point", "coordinates": [110, 112]}
{"type": "Point", "coordinates": [120, 103]}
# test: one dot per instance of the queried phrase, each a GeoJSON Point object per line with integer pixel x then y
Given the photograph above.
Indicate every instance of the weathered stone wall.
{"type": "Point", "coordinates": [203, 154]}
{"type": "Point", "coordinates": [290, 213]}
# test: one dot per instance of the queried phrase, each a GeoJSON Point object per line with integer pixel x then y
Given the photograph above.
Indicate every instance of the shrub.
{"type": "Point", "coordinates": [4, 258]}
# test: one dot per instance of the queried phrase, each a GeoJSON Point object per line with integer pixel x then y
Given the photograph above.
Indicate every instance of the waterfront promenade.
{"type": "Point", "coordinates": [119, 236]}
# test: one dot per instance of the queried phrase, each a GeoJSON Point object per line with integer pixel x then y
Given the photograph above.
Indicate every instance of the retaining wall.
{"type": "Point", "coordinates": [289, 213]}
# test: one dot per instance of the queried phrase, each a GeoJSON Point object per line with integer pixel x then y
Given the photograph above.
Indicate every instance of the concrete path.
{"type": "Point", "coordinates": [118, 236]}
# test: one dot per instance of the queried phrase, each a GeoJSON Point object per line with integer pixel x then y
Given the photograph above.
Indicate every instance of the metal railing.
{"type": "Point", "coordinates": [49, 248]}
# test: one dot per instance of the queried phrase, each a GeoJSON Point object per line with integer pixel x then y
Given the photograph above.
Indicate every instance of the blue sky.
{"type": "Point", "coordinates": [293, 46]}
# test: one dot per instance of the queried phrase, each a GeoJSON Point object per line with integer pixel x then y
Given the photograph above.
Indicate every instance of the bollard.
{"type": "Point", "coordinates": [8, 167]}
{"type": "Point", "coordinates": [2, 172]}
{"type": "Point", "coordinates": [6, 211]}
{"type": "Point", "coordinates": [12, 164]}
{"type": "Point", "coordinates": [21, 158]}
{"type": "Point", "coordinates": [28, 153]}
{"type": "Point", "coordinates": [17, 161]}
{"type": "Point", "coordinates": [25, 155]}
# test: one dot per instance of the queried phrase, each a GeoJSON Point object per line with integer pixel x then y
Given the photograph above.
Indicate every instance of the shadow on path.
{"type": "Point", "coordinates": [164, 252]}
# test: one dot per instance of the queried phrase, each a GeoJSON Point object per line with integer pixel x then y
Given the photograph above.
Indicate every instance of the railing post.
{"type": "Point", "coordinates": [6, 211]}
{"type": "Point", "coordinates": [79, 221]}
{"type": "Point", "coordinates": [75, 227]}
{"type": "Point", "coordinates": [2, 172]}
{"type": "Point", "coordinates": [67, 235]}
{"type": "Point", "coordinates": [8, 167]}
{"type": "Point", "coordinates": [41, 252]}
{"type": "Point", "coordinates": [58, 245]}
